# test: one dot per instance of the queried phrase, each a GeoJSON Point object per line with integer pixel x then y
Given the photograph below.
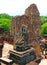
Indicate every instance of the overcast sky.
{"type": "Point", "coordinates": [17, 7]}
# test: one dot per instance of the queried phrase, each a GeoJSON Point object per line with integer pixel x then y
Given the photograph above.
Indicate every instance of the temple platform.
{"type": "Point", "coordinates": [24, 57]}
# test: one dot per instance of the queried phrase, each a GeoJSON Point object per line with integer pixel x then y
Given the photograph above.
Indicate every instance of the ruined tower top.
{"type": "Point", "coordinates": [32, 10]}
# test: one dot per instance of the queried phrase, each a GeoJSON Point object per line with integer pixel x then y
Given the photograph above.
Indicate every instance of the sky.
{"type": "Point", "coordinates": [17, 7]}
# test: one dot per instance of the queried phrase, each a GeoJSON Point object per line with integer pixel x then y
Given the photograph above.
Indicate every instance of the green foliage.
{"type": "Point", "coordinates": [6, 16]}
{"type": "Point", "coordinates": [43, 24]}
{"type": "Point", "coordinates": [43, 19]}
{"type": "Point", "coordinates": [5, 21]}
{"type": "Point", "coordinates": [44, 28]}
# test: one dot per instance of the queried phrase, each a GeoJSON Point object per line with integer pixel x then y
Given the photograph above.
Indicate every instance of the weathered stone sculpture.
{"type": "Point", "coordinates": [22, 43]}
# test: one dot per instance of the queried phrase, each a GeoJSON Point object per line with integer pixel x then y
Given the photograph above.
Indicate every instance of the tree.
{"type": "Point", "coordinates": [43, 19]}
{"type": "Point", "coordinates": [44, 28]}
{"type": "Point", "coordinates": [5, 21]}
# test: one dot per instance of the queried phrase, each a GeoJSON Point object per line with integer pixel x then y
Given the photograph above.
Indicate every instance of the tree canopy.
{"type": "Point", "coordinates": [44, 28]}
{"type": "Point", "coordinates": [43, 19]}
{"type": "Point", "coordinates": [5, 21]}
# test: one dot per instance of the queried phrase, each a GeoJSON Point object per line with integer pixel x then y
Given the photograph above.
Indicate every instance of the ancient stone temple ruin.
{"type": "Point", "coordinates": [22, 25]}
{"type": "Point", "coordinates": [30, 19]}
{"type": "Point", "coordinates": [33, 12]}
{"type": "Point", "coordinates": [25, 28]}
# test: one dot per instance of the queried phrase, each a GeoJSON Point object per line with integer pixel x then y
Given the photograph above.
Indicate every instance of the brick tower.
{"type": "Point", "coordinates": [33, 12]}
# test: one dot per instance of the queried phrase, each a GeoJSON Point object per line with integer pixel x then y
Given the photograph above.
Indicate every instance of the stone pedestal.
{"type": "Point", "coordinates": [22, 58]}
